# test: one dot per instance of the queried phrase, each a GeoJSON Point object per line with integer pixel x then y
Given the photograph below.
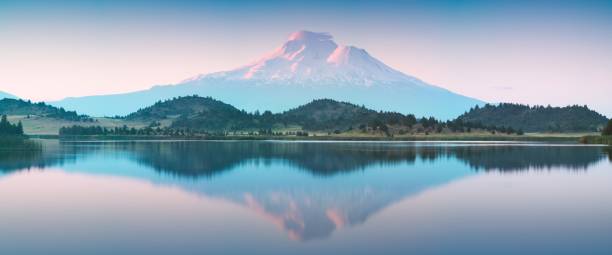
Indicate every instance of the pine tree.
{"type": "Point", "coordinates": [608, 129]}
{"type": "Point", "coordinates": [19, 128]}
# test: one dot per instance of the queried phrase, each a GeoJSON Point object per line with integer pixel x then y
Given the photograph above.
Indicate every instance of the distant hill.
{"type": "Point", "coordinates": [327, 114]}
{"type": "Point", "coordinates": [20, 107]}
{"type": "Point", "coordinates": [324, 114]}
{"type": "Point", "coordinates": [537, 118]}
{"type": "Point", "coordinates": [196, 113]}
{"type": "Point", "coordinates": [189, 106]}
{"type": "Point", "coordinates": [205, 113]}
{"type": "Point", "coordinates": [202, 113]}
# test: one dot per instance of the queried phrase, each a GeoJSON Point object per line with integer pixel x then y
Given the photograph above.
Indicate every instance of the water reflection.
{"type": "Point", "coordinates": [18, 154]}
{"type": "Point", "coordinates": [608, 150]}
{"type": "Point", "coordinates": [207, 159]}
{"type": "Point", "coordinates": [307, 189]}
{"type": "Point", "coordinates": [327, 159]}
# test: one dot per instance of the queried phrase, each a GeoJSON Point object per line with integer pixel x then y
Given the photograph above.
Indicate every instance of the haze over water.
{"type": "Point", "coordinates": [212, 197]}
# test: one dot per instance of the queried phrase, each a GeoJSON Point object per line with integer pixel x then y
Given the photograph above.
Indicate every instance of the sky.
{"type": "Point", "coordinates": [532, 52]}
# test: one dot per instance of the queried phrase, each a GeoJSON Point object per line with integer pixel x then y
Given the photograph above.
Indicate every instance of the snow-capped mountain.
{"type": "Point", "coordinates": [309, 57]}
{"type": "Point", "coordinates": [307, 66]}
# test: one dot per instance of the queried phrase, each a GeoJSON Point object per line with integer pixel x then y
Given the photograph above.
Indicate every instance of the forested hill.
{"type": "Point", "coordinates": [10, 106]}
{"type": "Point", "coordinates": [537, 118]}
{"type": "Point", "coordinates": [197, 113]}
{"type": "Point", "coordinates": [327, 114]}
{"type": "Point", "coordinates": [186, 107]}
{"type": "Point", "coordinates": [204, 114]}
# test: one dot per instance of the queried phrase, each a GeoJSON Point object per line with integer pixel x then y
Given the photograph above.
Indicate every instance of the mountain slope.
{"type": "Point", "coordinates": [308, 66]}
{"type": "Point", "coordinates": [537, 118]}
{"type": "Point", "coordinates": [6, 95]}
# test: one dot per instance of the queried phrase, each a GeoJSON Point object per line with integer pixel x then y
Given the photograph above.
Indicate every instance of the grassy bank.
{"type": "Point", "coordinates": [596, 139]}
{"type": "Point", "coordinates": [37, 125]}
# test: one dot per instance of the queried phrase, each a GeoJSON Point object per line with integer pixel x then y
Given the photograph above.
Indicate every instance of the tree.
{"type": "Point", "coordinates": [6, 128]}
{"type": "Point", "coordinates": [608, 129]}
{"type": "Point", "coordinates": [19, 128]}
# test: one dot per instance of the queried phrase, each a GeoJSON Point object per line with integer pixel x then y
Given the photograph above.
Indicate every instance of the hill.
{"type": "Point", "coordinates": [197, 115]}
{"type": "Point", "coordinates": [327, 114]}
{"type": "Point", "coordinates": [208, 114]}
{"type": "Point", "coordinates": [194, 112]}
{"type": "Point", "coordinates": [10, 106]}
{"type": "Point", "coordinates": [537, 118]}
{"type": "Point", "coordinates": [194, 115]}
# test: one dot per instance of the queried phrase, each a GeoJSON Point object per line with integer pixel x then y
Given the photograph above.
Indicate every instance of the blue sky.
{"type": "Point", "coordinates": [536, 52]}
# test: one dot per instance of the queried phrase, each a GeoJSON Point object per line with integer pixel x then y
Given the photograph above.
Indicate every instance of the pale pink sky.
{"type": "Point", "coordinates": [482, 51]}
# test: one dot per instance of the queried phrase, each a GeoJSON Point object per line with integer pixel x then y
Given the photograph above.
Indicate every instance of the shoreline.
{"type": "Point", "coordinates": [450, 138]}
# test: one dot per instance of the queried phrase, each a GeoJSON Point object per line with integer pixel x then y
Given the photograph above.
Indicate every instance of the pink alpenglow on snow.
{"type": "Point", "coordinates": [316, 57]}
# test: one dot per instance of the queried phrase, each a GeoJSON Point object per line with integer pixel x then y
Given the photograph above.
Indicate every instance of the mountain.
{"type": "Point", "coordinates": [6, 95]}
{"type": "Point", "coordinates": [307, 66]}
{"type": "Point", "coordinates": [537, 118]}
{"type": "Point", "coordinates": [20, 107]}
{"type": "Point", "coordinates": [314, 58]}
{"type": "Point", "coordinates": [202, 113]}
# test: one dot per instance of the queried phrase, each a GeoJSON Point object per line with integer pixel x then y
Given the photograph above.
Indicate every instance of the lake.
{"type": "Point", "coordinates": [267, 197]}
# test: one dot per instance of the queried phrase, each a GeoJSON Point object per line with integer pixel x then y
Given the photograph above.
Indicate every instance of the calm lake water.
{"type": "Point", "coordinates": [205, 197]}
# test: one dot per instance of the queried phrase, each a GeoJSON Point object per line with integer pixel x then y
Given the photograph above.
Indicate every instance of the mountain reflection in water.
{"type": "Point", "coordinates": [336, 185]}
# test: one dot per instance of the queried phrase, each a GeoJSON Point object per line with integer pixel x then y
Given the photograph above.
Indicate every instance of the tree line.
{"type": "Point", "coordinates": [151, 130]}
{"type": "Point", "coordinates": [538, 118]}
{"type": "Point", "coordinates": [426, 125]}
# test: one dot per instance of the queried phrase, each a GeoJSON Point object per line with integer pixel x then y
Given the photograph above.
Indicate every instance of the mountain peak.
{"type": "Point", "coordinates": [313, 57]}
{"type": "Point", "coordinates": [304, 35]}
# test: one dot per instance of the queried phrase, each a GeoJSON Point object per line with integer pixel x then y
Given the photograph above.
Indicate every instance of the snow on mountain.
{"type": "Point", "coordinates": [309, 57]}
{"type": "Point", "coordinates": [307, 66]}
